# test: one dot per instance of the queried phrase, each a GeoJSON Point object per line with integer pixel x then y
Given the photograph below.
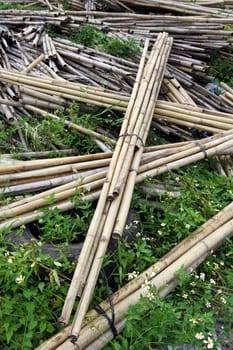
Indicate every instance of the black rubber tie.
{"type": "Point", "coordinates": [138, 137]}
{"type": "Point", "coordinates": [100, 310]}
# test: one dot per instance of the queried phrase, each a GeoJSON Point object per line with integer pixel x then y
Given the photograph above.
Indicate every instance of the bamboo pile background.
{"type": "Point", "coordinates": [40, 73]}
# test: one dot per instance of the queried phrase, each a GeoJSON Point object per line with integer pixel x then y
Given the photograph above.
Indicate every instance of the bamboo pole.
{"type": "Point", "coordinates": [33, 64]}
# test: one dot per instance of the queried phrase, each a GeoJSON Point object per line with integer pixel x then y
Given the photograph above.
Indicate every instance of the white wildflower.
{"type": "Point", "coordinates": [193, 320]}
{"type": "Point", "coordinates": [146, 285]}
{"type": "Point", "coordinates": [200, 335]}
{"type": "Point", "coordinates": [202, 276]}
{"type": "Point", "coordinates": [132, 275]}
{"type": "Point", "coordinates": [223, 300]}
{"type": "Point", "coordinates": [209, 342]}
{"type": "Point", "coordinates": [150, 296]}
{"type": "Point", "coordinates": [212, 281]}
{"type": "Point", "coordinates": [20, 279]}
{"type": "Point", "coordinates": [152, 274]}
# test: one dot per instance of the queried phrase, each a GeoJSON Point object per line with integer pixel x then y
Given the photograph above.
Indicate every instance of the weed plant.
{"type": "Point", "coordinates": [97, 39]}
{"type": "Point", "coordinates": [32, 293]}
{"type": "Point", "coordinates": [221, 67]}
{"type": "Point", "coordinates": [43, 134]}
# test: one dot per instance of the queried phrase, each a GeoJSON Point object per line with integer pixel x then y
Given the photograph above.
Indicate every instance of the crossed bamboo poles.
{"type": "Point", "coordinates": [189, 253]}
{"type": "Point", "coordinates": [91, 172]}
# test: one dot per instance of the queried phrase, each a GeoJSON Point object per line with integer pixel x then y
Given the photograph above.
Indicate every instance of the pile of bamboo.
{"type": "Point", "coordinates": [87, 174]}
{"type": "Point", "coordinates": [36, 53]}
{"type": "Point", "coordinates": [185, 114]}
{"type": "Point", "coordinates": [33, 52]}
{"type": "Point", "coordinates": [194, 32]}
{"type": "Point", "coordinates": [39, 73]}
{"type": "Point", "coordinates": [189, 253]}
{"type": "Point", "coordinates": [201, 7]}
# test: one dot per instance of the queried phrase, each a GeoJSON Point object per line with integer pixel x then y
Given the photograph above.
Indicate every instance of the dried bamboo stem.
{"type": "Point", "coordinates": [33, 64]}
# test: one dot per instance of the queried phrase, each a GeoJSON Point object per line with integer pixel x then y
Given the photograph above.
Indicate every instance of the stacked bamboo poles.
{"type": "Point", "coordinates": [190, 117]}
{"type": "Point", "coordinates": [123, 68]}
{"type": "Point", "coordinates": [175, 92]}
{"type": "Point", "coordinates": [33, 181]}
{"type": "Point", "coordinates": [155, 161]}
{"type": "Point", "coordinates": [193, 117]}
{"type": "Point", "coordinates": [227, 94]}
{"type": "Point", "coordinates": [179, 6]}
{"type": "Point", "coordinates": [133, 133]}
{"type": "Point", "coordinates": [189, 253]}
{"type": "Point", "coordinates": [201, 30]}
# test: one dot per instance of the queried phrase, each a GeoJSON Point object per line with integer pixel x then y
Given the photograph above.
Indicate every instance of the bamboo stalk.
{"type": "Point", "coordinates": [89, 180]}
{"type": "Point", "coordinates": [33, 64]}
{"type": "Point", "coordinates": [189, 261]}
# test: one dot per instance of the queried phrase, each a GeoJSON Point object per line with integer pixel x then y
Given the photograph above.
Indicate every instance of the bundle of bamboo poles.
{"type": "Point", "coordinates": [188, 254]}
{"type": "Point", "coordinates": [156, 160]}
{"type": "Point", "coordinates": [188, 116]}
{"type": "Point", "coordinates": [193, 117]}
{"type": "Point", "coordinates": [117, 189]}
